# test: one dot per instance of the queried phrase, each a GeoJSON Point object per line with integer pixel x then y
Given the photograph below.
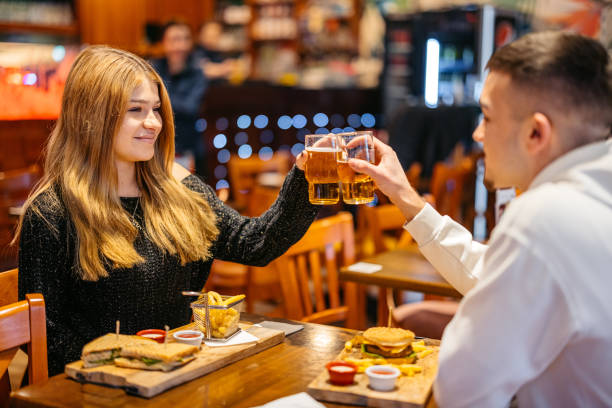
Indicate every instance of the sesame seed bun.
{"type": "Point", "coordinates": [388, 336]}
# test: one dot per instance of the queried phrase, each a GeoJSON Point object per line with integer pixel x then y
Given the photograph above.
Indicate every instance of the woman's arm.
{"type": "Point", "coordinates": [257, 241]}
{"type": "Point", "coordinates": [44, 267]}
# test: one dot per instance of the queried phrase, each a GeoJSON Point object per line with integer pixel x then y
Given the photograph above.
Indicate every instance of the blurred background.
{"type": "Point", "coordinates": [276, 70]}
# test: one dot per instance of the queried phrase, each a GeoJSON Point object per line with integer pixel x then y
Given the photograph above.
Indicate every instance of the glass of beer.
{"type": "Point", "coordinates": [321, 170]}
{"type": "Point", "coordinates": [357, 188]}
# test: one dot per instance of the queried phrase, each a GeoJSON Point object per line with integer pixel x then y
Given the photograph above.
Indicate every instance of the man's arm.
{"type": "Point", "coordinates": [445, 243]}
{"type": "Point", "coordinates": [507, 330]}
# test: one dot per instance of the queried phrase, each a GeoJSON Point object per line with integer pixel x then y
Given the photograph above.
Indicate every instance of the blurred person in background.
{"type": "Point", "coordinates": [213, 62]}
{"type": "Point", "coordinates": [536, 317]}
{"type": "Point", "coordinates": [186, 85]}
{"type": "Point", "coordinates": [116, 230]}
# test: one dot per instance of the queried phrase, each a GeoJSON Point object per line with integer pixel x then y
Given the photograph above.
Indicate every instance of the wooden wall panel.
{"type": "Point", "coordinates": [194, 12]}
{"type": "Point", "coordinates": [120, 23]}
{"type": "Point", "coordinates": [116, 23]}
{"type": "Point", "coordinates": [22, 142]}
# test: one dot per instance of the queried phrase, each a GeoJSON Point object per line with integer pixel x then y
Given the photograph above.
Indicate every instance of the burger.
{"type": "Point", "coordinates": [386, 342]}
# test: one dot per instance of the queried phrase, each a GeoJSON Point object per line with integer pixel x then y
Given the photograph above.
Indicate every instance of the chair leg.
{"type": "Point", "coordinates": [5, 390]}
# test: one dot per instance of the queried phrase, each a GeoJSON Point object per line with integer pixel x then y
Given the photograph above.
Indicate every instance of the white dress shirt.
{"type": "Point", "coordinates": [536, 319]}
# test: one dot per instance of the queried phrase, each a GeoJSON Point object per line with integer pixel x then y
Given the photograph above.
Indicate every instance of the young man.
{"type": "Point", "coordinates": [186, 85]}
{"type": "Point", "coordinates": [536, 319]}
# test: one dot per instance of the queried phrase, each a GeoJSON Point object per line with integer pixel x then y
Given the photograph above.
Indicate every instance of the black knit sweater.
{"type": "Point", "coordinates": [149, 294]}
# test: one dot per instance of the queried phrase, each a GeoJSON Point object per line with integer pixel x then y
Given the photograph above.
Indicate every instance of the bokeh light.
{"type": "Point", "coordinates": [221, 124]}
{"type": "Point", "coordinates": [241, 138]}
{"type": "Point", "coordinates": [222, 184]}
{"type": "Point", "coordinates": [368, 120]}
{"type": "Point", "coordinates": [260, 121]}
{"type": "Point", "coordinates": [354, 120]}
{"type": "Point", "coordinates": [244, 121]}
{"type": "Point", "coordinates": [320, 119]}
{"type": "Point", "coordinates": [245, 151]}
{"type": "Point", "coordinates": [299, 121]}
{"type": "Point", "coordinates": [220, 141]}
{"type": "Point", "coordinates": [200, 125]}
{"type": "Point", "coordinates": [223, 156]}
{"type": "Point", "coordinates": [266, 153]}
{"type": "Point", "coordinates": [285, 122]}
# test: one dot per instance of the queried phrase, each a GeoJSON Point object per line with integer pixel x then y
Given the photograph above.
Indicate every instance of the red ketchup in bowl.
{"type": "Point", "coordinates": [382, 372]}
{"type": "Point", "coordinates": [189, 335]}
{"type": "Point", "coordinates": [153, 334]}
{"type": "Point", "coordinates": [341, 372]}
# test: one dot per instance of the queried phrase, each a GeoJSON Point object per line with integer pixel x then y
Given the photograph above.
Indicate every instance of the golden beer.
{"type": "Point", "coordinates": [322, 175]}
{"type": "Point", "coordinates": [357, 188]}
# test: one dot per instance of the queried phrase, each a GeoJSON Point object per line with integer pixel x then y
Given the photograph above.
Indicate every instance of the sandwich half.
{"type": "Point", "coordinates": [156, 356]}
{"type": "Point", "coordinates": [105, 349]}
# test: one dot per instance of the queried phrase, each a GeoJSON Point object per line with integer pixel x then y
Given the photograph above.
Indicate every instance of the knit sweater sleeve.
{"type": "Point", "coordinates": [44, 266]}
{"type": "Point", "coordinates": [259, 240]}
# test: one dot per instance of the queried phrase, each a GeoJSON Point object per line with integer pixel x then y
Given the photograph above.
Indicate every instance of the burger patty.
{"type": "Point", "coordinates": [371, 348]}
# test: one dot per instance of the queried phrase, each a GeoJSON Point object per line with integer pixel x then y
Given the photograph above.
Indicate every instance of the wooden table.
{"type": "Point", "coordinates": [280, 371]}
{"type": "Point", "coordinates": [401, 269]}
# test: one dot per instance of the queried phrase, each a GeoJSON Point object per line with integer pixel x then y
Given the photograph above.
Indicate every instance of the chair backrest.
{"type": "Point", "coordinates": [260, 199]}
{"type": "Point", "coordinates": [381, 220]}
{"type": "Point", "coordinates": [243, 174]}
{"type": "Point", "coordinates": [8, 287]}
{"type": "Point", "coordinates": [25, 323]}
{"type": "Point", "coordinates": [15, 185]}
{"type": "Point", "coordinates": [448, 184]}
{"type": "Point", "coordinates": [312, 264]}
{"type": "Point", "coordinates": [18, 183]}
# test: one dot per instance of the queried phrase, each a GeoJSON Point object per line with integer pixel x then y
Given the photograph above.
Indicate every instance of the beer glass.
{"type": "Point", "coordinates": [357, 188]}
{"type": "Point", "coordinates": [321, 171]}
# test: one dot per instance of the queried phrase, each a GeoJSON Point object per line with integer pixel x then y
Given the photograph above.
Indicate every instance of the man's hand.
{"type": "Point", "coordinates": [390, 178]}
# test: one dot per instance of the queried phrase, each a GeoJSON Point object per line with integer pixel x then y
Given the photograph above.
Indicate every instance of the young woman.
{"type": "Point", "coordinates": [115, 230]}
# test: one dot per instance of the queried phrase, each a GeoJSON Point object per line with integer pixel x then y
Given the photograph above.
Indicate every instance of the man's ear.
{"type": "Point", "coordinates": [540, 133]}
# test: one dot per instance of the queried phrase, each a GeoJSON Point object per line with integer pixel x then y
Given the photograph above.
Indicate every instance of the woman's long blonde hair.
{"type": "Point", "coordinates": [80, 163]}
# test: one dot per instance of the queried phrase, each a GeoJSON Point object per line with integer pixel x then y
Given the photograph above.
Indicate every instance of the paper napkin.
{"type": "Point", "coordinates": [241, 338]}
{"type": "Point", "coordinates": [300, 400]}
{"type": "Point", "coordinates": [364, 267]}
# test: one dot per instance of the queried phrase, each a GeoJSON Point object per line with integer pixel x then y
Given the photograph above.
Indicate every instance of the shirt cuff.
{"type": "Point", "coordinates": [423, 226]}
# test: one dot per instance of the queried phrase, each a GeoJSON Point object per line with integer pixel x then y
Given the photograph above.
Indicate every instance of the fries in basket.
{"type": "Point", "coordinates": [224, 313]}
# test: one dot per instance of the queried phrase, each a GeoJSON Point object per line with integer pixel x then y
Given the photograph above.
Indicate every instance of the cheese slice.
{"type": "Point", "coordinates": [387, 349]}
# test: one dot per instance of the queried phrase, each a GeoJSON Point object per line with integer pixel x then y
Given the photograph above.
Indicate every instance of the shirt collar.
{"type": "Point", "coordinates": [571, 159]}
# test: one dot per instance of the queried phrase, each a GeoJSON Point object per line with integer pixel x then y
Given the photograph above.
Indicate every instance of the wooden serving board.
{"type": "Point", "coordinates": [409, 392]}
{"type": "Point", "coordinates": [150, 383]}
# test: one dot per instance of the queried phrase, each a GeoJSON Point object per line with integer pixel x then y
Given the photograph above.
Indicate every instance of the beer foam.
{"type": "Point", "coordinates": [323, 149]}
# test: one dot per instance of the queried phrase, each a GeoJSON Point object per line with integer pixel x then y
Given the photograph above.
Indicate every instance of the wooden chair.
{"type": "Point", "coordinates": [384, 225]}
{"type": "Point", "coordinates": [8, 287]}
{"type": "Point", "coordinates": [15, 185]}
{"type": "Point", "coordinates": [301, 270]}
{"type": "Point", "coordinates": [250, 199]}
{"type": "Point", "coordinates": [23, 323]}
{"type": "Point", "coordinates": [244, 172]}
{"type": "Point", "coordinates": [448, 184]}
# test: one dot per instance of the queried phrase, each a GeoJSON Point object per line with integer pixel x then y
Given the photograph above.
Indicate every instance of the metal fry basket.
{"type": "Point", "coordinates": [217, 322]}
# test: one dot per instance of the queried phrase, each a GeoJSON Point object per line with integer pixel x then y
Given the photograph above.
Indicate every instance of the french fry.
{"type": "Point", "coordinates": [424, 353]}
{"type": "Point", "coordinates": [418, 347]}
{"type": "Point", "coordinates": [233, 299]}
{"type": "Point", "coordinates": [409, 369]}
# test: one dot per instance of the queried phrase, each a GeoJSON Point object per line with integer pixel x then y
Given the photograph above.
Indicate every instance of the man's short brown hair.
{"type": "Point", "coordinates": [574, 71]}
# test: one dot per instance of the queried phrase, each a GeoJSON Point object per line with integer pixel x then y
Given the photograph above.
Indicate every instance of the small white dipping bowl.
{"type": "Point", "coordinates": [192, 337]}
{"type": "Point", "coordinates": [382, 377]}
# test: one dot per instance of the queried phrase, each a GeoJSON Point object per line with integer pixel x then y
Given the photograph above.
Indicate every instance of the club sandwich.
{"type": "Point", "coordinates": [105, 349]}
{"type": "Point", "coordinates": [156, 356]}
